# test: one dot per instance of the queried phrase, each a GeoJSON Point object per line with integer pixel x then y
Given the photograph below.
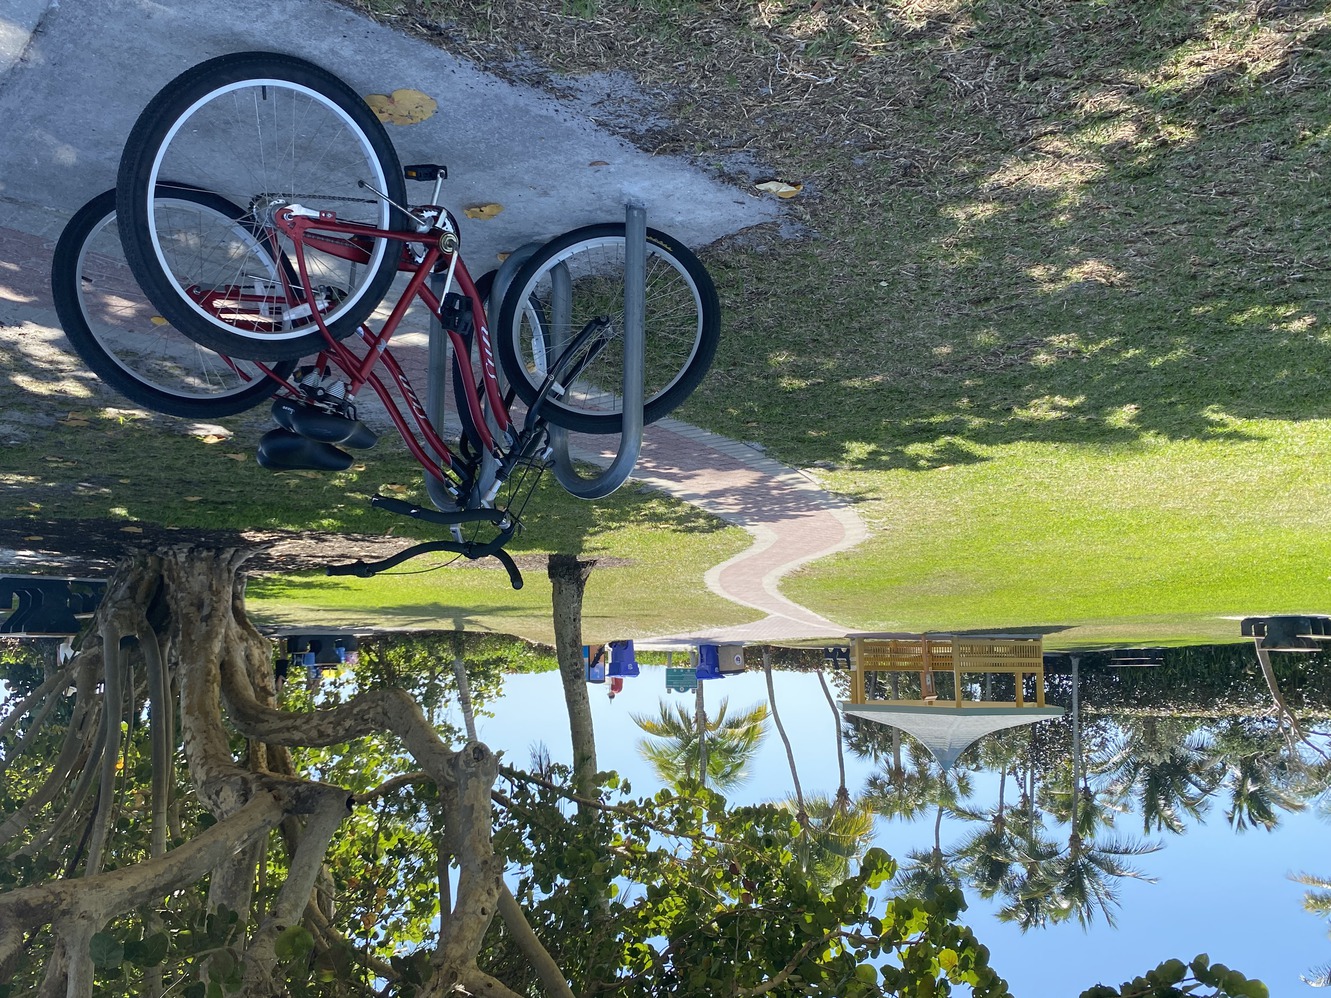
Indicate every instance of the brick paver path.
{"type": "Point", "coordinates": [792, 521]}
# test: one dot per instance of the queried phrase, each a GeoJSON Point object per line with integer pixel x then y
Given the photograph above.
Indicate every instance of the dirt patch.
{"type": "Point", "coordinates": [94, 547]}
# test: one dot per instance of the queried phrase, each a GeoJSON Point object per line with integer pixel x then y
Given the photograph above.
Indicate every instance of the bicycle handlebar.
{"type": "Point", "coordinates": [498, 517]}
{"type": "Point", "coordinates": [468, 549]}
{"type": "Point", "coordinates": [363, 569]}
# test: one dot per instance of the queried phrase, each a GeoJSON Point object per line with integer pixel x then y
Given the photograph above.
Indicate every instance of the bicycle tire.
{"type": "Point", "coordinates": [114, 329]}
{"type": "Point", "coordinates": [262, 130]}
{"type": "Point", "coordinates": [682, 325]}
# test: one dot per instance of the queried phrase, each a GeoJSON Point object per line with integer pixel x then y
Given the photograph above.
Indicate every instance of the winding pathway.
{"type": "Point", "coordinates": [792, 521]}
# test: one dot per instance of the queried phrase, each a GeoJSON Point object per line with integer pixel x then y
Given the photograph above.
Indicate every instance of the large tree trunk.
{"type": "Point", "coordinates": [184, 609]}
{"type": "Point", "coordinates": [568, 579]}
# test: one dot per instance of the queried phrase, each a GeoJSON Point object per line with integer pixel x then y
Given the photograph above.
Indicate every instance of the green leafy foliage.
{"type": "Point", "coordinates": [684, 894]}
{"type": "Point", "coordinates": [1174, 979]}
{"type": "Point", "coordinates": [106, 950]}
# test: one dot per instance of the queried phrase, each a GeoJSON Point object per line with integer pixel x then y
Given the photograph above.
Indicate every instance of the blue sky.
{"type": "Point", "coordinates": [1217, 892]}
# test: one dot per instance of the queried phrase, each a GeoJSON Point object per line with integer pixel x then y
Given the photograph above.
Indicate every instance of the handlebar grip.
{"type": "Point", "coordinates": [514, 573]}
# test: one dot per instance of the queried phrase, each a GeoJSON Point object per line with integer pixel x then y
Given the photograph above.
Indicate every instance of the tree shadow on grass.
{"type": "Point", "coordinates": [1128, 248]}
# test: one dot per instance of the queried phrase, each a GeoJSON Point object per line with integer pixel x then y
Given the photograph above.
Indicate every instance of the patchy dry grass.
{"type": "Point", "coordinates": [1031, 227]}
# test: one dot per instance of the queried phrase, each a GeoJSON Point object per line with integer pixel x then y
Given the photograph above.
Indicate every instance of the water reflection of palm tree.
{"type": "Point", "coordinates": [990, 855]}
{"type": "Point", "coordinates": [1027, 901]}
{"type": "Point", "coordinates": [1318, 902]}
{"type": "Point", "coordinates": [1162, 764]}
{"type": "Point", "coordinates": [686, 747]}
{"type": "Point", "coordinates": [1261, 779]}
{"type": "Point", "coordinates": [1081, 880]}
{"type": "Point", "coordinates": [926, 870]}
{"type": "Point", "coordinates": [835, 835]}
{"type": "Point", "coordinates": [905, 789]}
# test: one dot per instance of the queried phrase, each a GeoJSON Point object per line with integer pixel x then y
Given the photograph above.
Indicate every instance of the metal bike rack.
{"type": "Point", "coordinates": [436, 385]}
{"type": "Point", "coordinates": [630, 445]}
{"type": "Point", "coordinates": [635, 349]}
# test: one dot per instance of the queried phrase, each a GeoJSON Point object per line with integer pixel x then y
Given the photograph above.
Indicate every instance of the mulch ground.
{"type": "Point", "coordinates": [94, 547]}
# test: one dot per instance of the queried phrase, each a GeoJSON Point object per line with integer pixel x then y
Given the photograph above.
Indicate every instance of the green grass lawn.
{"type": "Point", "coordinates": [652, 550]}
{"type": "Point", "coordinates": [1153, 542]}
{"type": "Point", "coordinates": [1050, 306]}
{"type": "Point", "coordinates": [647, 582]}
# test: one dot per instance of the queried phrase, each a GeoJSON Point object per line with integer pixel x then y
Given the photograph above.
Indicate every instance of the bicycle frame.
{"type": "Point", "coordinates": [438, 254]}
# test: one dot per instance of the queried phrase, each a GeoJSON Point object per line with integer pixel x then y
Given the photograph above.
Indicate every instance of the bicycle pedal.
{"type": "Point", "coordinates": [283, 450]}
{"type": "Point", "coordinates": [325, 427]}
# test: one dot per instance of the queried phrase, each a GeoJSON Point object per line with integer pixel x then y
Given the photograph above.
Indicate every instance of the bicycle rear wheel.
{"type": "Point", "coordinates": [264, 131]}
{"type": "Point", "coordinates": [114, 328]}
{"type": "Point", "coordinates": [579, 277]}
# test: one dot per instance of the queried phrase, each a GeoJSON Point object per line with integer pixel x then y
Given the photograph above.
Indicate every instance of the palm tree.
{"type": "Point", "coordinates": [1260, 778]}
{"type": "Point", "coordinates": [833, 837]}
{"type": "Point", "coordinates": [691, 749]}
{"type": "Point", "coordinates": [989, 855]}
{"type": "Point", "coordinates": [800, 814]}
{"type": "Point", "coordinates": [1318, 902]}
{"type": "Point", "coordinates": [1164, 765]}
{"type": "Point", "coordinates": [902, 791]}
{"type": "Point", "coordinates": [991, 858]}
{"type": "Point", "coordinates": [1030, 904]}
{"type": "Point", "coordinates": [925, 871]}
{"type": "Point", "coordinates": [842, 794]}
{"type": "Point", "coordinates": [1083, 878]}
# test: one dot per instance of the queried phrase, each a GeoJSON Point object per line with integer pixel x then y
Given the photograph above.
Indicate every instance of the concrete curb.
{"type": "Point", "coordinates": [19, 21]}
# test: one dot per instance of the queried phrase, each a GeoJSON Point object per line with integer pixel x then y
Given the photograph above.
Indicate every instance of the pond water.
{"type": "Point", "coordinates": [1214, 889]}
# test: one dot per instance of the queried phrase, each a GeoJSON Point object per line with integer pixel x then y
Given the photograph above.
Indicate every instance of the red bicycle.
{"type": "Point", "coordinates": [262, 210]}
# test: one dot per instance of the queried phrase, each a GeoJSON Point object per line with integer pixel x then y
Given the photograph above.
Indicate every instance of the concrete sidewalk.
{"type": "Point", "coordinates": [78, 74]}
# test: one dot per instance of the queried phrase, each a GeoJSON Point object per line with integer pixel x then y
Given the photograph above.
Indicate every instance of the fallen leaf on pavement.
{"type": "Point", "coordinates": [402, 107]}
{"type": "Point", "coordinates": [483, 211]}
{"type": "Point", "coordinates": [780, 188]}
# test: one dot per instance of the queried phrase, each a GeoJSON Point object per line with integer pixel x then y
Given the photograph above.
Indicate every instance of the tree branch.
{"type": "Point", "coordinates": [331, 808]}
{"type": "Point", "coordinates": [468, 823]}
{"type": "Point", "coordinates": [376, 966]}
{"type": "Point", "coordinates": [478, 982]}
{"type": "Point", "coordinates": [80, 737]}
{"type": "Point", "coordinates": [47, 695]}
{"type": "Point", "coordinates": [161, 715]}
{"type": "Point", "coordinates": [392, 786]}
{"type": "Point", "coordinates": [107, 894]}
{"type": "Point", "coordinates": [532, 948]}
{"type": "Point", "coordinates": [371, 712]}
{"type": "Point", "coordinates": [113, 707]}
{"type": "Point", "coordinates": [791, 966]}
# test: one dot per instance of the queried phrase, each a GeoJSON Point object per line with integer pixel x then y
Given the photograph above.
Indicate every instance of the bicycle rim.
{"type": "Point", "coordinates": [264, 144]}
{"type": "Point", "coordinates": [680, 327]}
{"type": "Point", "coordinates": [140, 341]}
{"type": "Point", "coordinates": [122, 338]}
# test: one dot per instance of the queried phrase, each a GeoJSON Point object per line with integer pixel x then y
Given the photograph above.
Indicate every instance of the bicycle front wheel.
{"type": "Point", "coordinates": [578, 278]}
{"type": "Point", "coordinates": [264, 131]}
{"type": "Point", "coordinates": [120, 336]}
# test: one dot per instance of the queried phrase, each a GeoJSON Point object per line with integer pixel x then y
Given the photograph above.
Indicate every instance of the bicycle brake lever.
{"type": "Point", "coordinates": [496, 516]}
